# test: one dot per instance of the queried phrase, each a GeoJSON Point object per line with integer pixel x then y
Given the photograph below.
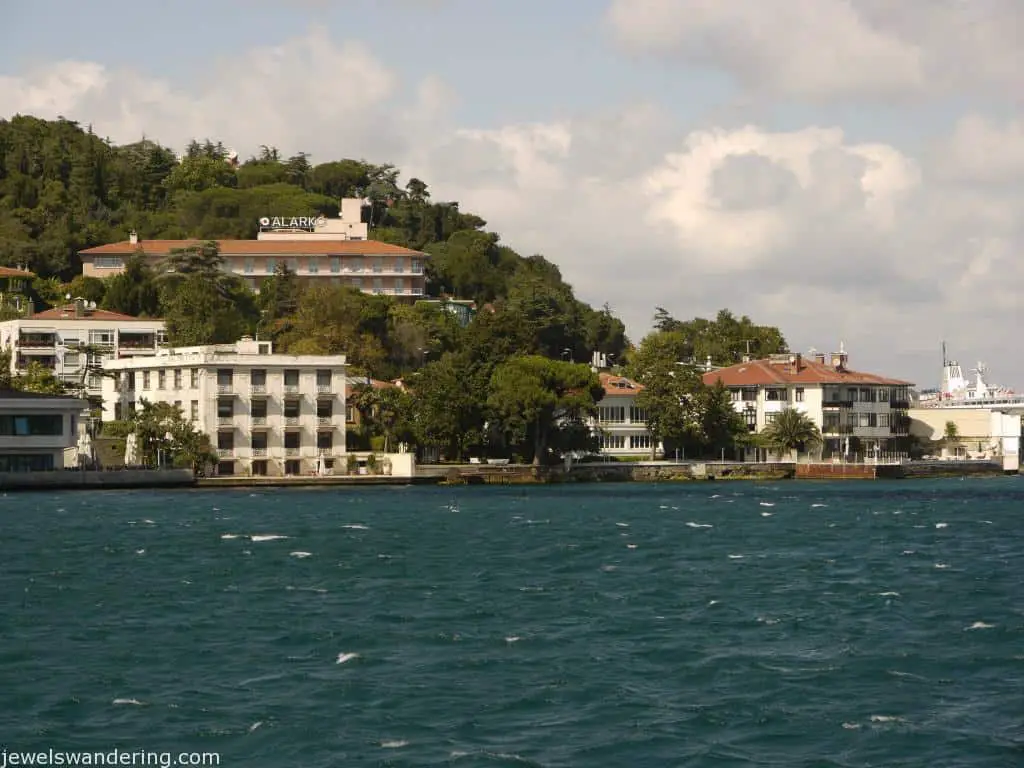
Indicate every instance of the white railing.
{"type": "Point", "coordinates": [258, 389]}
{"type": "Point", "coordinates": [225, 389]}
{"type": "Point", "coordinates": [291, 389]}
{"type": "Point", "coordinates": [325, 452]}
{"type": "Point", "coordinates": [325, 421]}
{"type": "Point", "coordinates": [225, 420]}
{"type": "Point", "coordinates": [291, 421]}
{"type": "Point", "coordinates": [259, 421]}
{"type": "Point", "coordinates": [324, 389]}
{"type": "Point", "coordinates": [292, 451]}
{"type": "Point", "coordinates": [258, 452]}
{"type": "Point", "coordinates": [225, 453]}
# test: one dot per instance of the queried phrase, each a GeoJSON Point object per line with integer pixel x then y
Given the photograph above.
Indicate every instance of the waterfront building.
{"type": "Point", "coordinates": [74, 339]}
{"type": "Point", "coordinates": [314, 248]}
{"type": "Point", "coordinates": [980, 433]}
{"type": "Point", "coordinates": [860, 415]}
{"type": "Point", "coordinates": [621, 424]}
{"type": "Point", "coordinates": [36, 430]}
{"type": "Point", "coordinates": [265, 413]}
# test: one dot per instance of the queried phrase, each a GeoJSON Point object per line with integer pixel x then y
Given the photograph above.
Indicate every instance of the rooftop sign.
{"type": "Point", "coordinates": [292, 222]}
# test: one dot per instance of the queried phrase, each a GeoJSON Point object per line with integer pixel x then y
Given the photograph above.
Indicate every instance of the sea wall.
{"type": "Point", "coordinates": [942, 469]}
{"type": "Point", "coordinates": [96, 480]}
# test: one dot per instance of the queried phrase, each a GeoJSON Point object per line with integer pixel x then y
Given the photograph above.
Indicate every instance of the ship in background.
{"type": "Point", "coordinates": [959, 392]}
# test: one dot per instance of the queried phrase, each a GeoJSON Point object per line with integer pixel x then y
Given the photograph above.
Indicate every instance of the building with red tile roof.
{"type": "Point", "coordinates": [334, 250]}
{"type": "Point", "coordinates": [620, 423]}
{"type": "Point", "coordinates": [859, 414]}
{"type": "Point", "coordinates": [71, 338]}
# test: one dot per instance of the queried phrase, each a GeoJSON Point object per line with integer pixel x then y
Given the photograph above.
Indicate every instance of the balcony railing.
{"type": "Point", "coordinates": [291, 389]}
{"type": "Point", "coordinates": [837, 404]}
{"type": "Point", "coordinates": [259, 421]}
{"type": "Point", "coordinates": [292, 451]}
{"type": "Point", "coordinates": [258, 389]}
{"type": "Point", "coordinates": [259, 452]}
{"type": "Point", "coordinates": [37, 343]}
{"type": "Point", "coordinates": [324, 389]}
{"type": "Point", "coordinates": [899, 404]}
{"type": "Point", "coordinates": [225, 389]}
{"type": "Point", "coordinates": [325, 421]}
{"type": "Point", "coordinates": [325, 452]}
{"type": "Point", "coordinates": [225, 453]}
{"type": "Point", "coordinates": [291, 421]}
{"type": "Point", "coordinates": [225, 421]}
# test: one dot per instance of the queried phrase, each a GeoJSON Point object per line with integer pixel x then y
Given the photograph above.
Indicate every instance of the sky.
{"type": "Point", "coordinates": [851, 171]}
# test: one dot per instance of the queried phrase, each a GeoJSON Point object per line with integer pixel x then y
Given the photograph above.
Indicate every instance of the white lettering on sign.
{"type": "Point", "coordinates": [292, 222]}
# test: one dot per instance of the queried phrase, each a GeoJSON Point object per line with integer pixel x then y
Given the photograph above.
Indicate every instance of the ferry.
{"type": "Point", "coordinates": [959, 392]}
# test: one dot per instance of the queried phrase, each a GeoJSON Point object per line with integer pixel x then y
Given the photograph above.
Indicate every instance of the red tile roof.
{"type": "Point", "coordinates": [11, 272]}
{"type": "Point", "coordinates": [768, 373]}
{"type": "Point", "coordinates": [68, 313]}
{"type": "Point", "coordinates": [618, 386]}
{"type": "Point", "coordinates": [259, 248]}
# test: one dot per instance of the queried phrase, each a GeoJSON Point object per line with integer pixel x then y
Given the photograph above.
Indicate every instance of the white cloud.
{"type": "Point", "coordinates": [828, 238]}
{"type": "Point", "coordinates": [830, 49]}
{"type": "Point", "coordinates": [983, 151]}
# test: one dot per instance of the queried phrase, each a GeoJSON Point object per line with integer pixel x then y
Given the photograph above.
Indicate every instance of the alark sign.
{"type": "Point", "coordinates": [292, 222]}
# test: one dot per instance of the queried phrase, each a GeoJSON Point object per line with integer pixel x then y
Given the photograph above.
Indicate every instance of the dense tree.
{"type": "Point", "coordinates": [165, 434]}
{"type": "Point", "coordinates": [535, 398]}
{"type": "Point", "coordinates": [724, 340]}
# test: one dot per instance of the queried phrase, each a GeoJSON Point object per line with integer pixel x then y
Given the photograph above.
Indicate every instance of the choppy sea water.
{"type": "Point", "coordinates": [717, 624]}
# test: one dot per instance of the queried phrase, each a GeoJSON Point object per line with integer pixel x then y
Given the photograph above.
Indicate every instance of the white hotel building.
{"type": "Point", "coordinates": [265, 413]}
{"type": "Point", "coordinates": [334, 250]}
{"type": "Point", "coordinates": [68, 339]}
{"type": "Point", "coordinates": [859, 414]}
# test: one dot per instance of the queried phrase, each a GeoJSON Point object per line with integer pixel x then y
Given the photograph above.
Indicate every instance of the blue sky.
{"type": "Point", "coordinates": [841, 168]}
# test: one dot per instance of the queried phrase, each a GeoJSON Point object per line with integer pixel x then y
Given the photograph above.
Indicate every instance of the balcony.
{"type": "Point", "coordinates": [258, 390]}
{"type": "Point", "coordinates": [225, 453]}
{"type": "Point", "coordinates": [325, 452]}
{"type": "Point", "coordinates": [900, 405]}
{"type": "Point", "coordinates": [291, 421]}
{"type": "Point", "coordinates": [325, 421]}
{"type": "Point", "coordinates": [259, 453]}
{"type": "Point", "coordinates": [258, 421]}
{"type": "Point", "coordinates": [837, 404]}
{"type": "Point", "coordinates": [291, 389]}
{"type": "Point", "coordinates": [292, 451]}
{"type": "Point", "coordinates": [225, 421]}
{"type": "Point", "coordinates": [324, 389]}
{"type": "Point", "coordinates": [37, 342]}
{"type": "Point", "coordinates": [225, 389]}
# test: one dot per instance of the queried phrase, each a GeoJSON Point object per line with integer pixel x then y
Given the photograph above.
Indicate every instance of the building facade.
{"type": "Point", "coordinates": [14, 284]}
{"type": "Point", "coordinates": [333, 250]}
{"type": "Point", "coordinates": [35, 430]}
{"type": "Point", "coordinates": [75, 339]}
{"type": "Point", "coordinates": [860, 415]}
{"type": "Point", "coordinates": [265, 413]}
{"type": "Point", "coordinates": [621, 425]}
{"type": "Point", "coordinates": [981, 433]}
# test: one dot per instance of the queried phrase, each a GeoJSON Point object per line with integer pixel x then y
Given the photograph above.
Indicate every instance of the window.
{"type": "Point", "coordinates": [225, 378]}
{"type": "Point", "coordinates": [378, 285]}
{"type": "Point", "coordinates": [417, 267]}
{"type": "Point", "coordinates": [145, 379]}
{"type": "Point", "coordinates": [771, 418]}
{"type": "Point", "coordinates": [324, 441]}
{"type": "Point", "coordinates": [357, 283]}
{"type": "Point", "coordinates": [611, 414]}
{"type": "Point", "coordinates": [107, 262]}
{"type": "Point", "coordinates": [324, 409]}
{"type": "Point", "coordinates": [399, 285]}
{"type": "Point", "coordinates": [323, 380]}
{"type": "Point", "coordinates": [613, 442]}
{"type": "Point", "coordinates": [225, 408]}
{"type": "Point", "coordinates": [639, 441]}
{"type": "Point", "coordinates": [177, 404]}
{"type": "Point", "coordinates": [378, 265]}
{"type": "Point", "coordinates": [177, 378]}
{"type": "Point", "coordinates": [798, 395]}
{"type": "Point", "coordinates": [194, 414]}
{"type": "Point", "coordinates": [637, 415]}
{"type": "Point", "coordinates": [399, 265]}
{"type": "Point", "coordinates": [350, 414]}
{"type": "Point", "coordinates": [314, 266]}
{"type": "Point", "coordinates": [750, 417]}
{"type": "Point", "coordinates": [883, 419]}
{"type": "Point", "coordinates": [258, 409]}
{"type": "Point", "coordinates": [867, 395]}
{"type": "Point", "coordinates": [292, 440]}
{"type": "Point", "coordinates": [161, 379]}
{"type": "Point", "coordinates": [775, 395]}
{"type": "Point", "coordinates": [293, 265]}
{"type": "Point", "coordinates": [851, 394]}
{"type": "Point", "coordinates": [32, 425]}
{"type": "Point", "coordinates": [271, 266]}
{"type": "Point", "coordinates": [248, 266]}
{"type": "Point", "coordinates": [193, 378]}
{"type": "Point", "coordinates": [335, 265]}
{"type": "Point", "coordinates": [291, 378]}
{"type": "Point", "coordinates": [32, 462]}
{"type": "Point", "coordinates": [258, 377]}
{"type": "Point", "coordinates": [225, 441]}
{"type": "Point", "coordinates": [749, 394]}
{"type": "Point", "coordinates": [291, 409]}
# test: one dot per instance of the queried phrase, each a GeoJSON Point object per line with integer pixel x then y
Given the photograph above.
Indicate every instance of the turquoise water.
{"type": "Point", "coordinates": [862, 624]}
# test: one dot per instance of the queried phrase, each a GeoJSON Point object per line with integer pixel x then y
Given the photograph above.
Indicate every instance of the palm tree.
{"type": "Point", "coordinates": [792, 430]}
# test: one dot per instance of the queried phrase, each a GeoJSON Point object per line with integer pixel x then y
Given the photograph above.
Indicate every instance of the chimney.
{"type": "Point", "coordinates": [133, 237]}
{"type": "Point", "coordinates": [79, 308]}
{"type": "Point", "coordinates": [798, 362]}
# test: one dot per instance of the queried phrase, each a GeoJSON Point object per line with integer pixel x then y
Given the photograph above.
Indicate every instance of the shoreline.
{"type": "Point", "coordinates": [474, 474]}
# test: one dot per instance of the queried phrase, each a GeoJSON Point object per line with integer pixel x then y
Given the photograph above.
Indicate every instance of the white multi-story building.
{"type": "Point", "coordinates": [859, 414]}
{"type": "Point", "coordinates": [35, 430]}
{"type": "Point", "coordinates": [265, 413]}
{"type": "Point", "coordinates": [621, 424]}
{"type": "Point", "coordinates": [336, 251]}
{"type": "Point", "coordinates": [71, 338]}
